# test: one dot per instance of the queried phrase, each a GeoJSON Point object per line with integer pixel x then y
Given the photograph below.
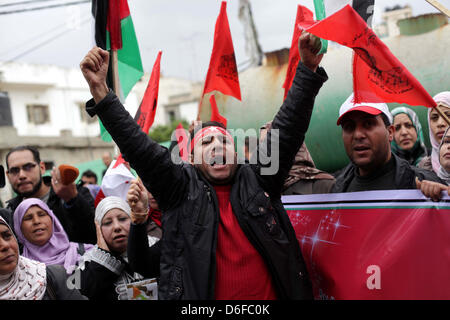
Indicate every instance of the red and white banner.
{"type": "Point", "coordinates": [375, 244]}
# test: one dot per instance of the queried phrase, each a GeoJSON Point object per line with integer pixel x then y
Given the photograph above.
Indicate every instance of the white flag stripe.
{"type": "Point", "coordinates": [332, 6]}
{"type": "Point", "coordinates": [116, 181]}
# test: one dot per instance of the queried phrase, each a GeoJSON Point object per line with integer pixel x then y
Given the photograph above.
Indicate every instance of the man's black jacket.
{"type": "Point", "coordinates": [76, 217]}
{"type": "Point", "coordinates": [190, 206]}
{"type": "Point", "coordinates": [405, 176]}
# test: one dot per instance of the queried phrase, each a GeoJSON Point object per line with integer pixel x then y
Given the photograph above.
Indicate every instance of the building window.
{"type": "Point", "coordinates": [171, 115]}
{"type": "Point", "coordinates": [84, 116]}
{"type": "Point", "coordinates": [38, 113]}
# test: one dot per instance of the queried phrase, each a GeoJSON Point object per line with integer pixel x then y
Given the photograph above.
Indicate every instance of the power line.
{"type": "Point", "coordinates": [22, 2]}
{"type": "Point", "coordinates": [46, 7]}
{"type": "Point", "coordinates": [32, 39]}
{"type": "Point", "coordinates": [39, 45]}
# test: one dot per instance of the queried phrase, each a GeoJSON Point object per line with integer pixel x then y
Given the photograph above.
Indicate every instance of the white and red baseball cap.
{"type": "Point", "coordinates": [371, 108]}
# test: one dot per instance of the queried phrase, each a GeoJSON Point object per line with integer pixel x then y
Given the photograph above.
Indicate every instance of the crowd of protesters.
{"type": "Point", "coordinates": [209, 228]}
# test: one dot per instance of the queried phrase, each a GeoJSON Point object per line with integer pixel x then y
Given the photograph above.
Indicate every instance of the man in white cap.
{"type": "Point", "coordinates": [367, 133]}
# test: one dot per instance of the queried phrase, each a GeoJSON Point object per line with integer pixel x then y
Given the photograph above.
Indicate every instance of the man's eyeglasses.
{"type": "Point", "coordinates": [27, 167]}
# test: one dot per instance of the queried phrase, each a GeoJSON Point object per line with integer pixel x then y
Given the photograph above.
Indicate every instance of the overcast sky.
{"type": "Point", "coordinates": [182, 29]}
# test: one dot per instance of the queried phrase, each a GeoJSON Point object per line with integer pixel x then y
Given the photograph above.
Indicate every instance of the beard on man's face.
{"type": "Point", "coordinates": [31, 193]}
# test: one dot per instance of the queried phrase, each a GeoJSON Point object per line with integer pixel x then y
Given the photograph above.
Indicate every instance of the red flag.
{"type": "Point", "coordinates": [222, 72]}
{"type": "Point", "coordinates": [378, 76]}
{"type": "Point", "coordinates": [304, 15]}
{"type": "Point", "coordinates": [215, 115]}
{"type": "Point", "coordinates": [182, 141]}
{"type": "Point", "coordinates": [147, 110]}
{"type": "Point", "coordinates": [99, 197]}
{"type": "Point", "coordinates": [145, 115]}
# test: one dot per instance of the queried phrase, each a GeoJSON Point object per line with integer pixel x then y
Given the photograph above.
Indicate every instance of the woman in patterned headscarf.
{"type": "Point", "coordinates": [408, 140]}
{"type": "Point", "coordinates": [25, 279]}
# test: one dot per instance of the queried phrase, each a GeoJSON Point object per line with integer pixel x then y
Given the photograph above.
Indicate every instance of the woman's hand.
{"type": "Point", "coordinates": [101, 243]}
{"type": "Point", "coordinates": [137, 199]}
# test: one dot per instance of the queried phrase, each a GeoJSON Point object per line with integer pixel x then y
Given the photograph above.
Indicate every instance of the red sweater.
{"type": "Point", "coordinates": [241, 273]}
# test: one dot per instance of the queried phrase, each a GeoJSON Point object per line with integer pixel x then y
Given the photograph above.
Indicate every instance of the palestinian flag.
{"type": "Point", "coordinates": [114, 31]}
{"type": "Point", "coordinates": [325, 8]}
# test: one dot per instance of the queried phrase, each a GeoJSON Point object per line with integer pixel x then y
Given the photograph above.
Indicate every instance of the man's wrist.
{"type": "Point", "coordinates": [70, 199]}
{"type": "Point", "coordinates": [99, 92]}
{"type": "Point", "coordinates": [139, 217]}
{"type": "Point", "coordinates": [70, 202]}
{"type": "Point", "coordinates": [313, 68]}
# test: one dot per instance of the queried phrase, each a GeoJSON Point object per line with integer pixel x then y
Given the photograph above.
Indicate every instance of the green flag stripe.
{"type": "Point", "coordinates": [130, 64]}
{"type": "Point", "coordinates": [104, 134]}
{"type": "Point", "coordinates": [319, 7]}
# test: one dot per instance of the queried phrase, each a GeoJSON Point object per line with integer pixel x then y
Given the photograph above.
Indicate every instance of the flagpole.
{"type": "Point", "coordinates": [199, 109]}
{"type": "Point", "coordinates": [115, 72]}
{"type": "Point", "coordinates": [440, 7]}
{"type": "Point", "coordinates": [445, 11]}
{"type": "Point", "coordinates": [116, 85]}
{"type": "Point", "coordinates": [442, 114]}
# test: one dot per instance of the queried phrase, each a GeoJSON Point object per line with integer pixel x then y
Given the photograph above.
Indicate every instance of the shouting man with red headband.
{"type": "Point", "coordinates": [226, 234]}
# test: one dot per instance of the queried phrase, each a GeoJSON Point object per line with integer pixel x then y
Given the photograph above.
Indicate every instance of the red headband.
{"type": "Point", "coordinates": [205, 131]}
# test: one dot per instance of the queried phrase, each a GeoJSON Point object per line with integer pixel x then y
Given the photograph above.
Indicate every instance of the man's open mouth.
{"type": "Point", "coordinates": [218, 160]}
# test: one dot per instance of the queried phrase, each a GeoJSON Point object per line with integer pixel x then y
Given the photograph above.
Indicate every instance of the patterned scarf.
{"type": "Point", "coordinates": [28, 281]}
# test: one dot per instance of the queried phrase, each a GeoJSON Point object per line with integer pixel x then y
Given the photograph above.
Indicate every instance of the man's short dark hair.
{"type": "Point", "coordinates": [89, 174]}
{"type": "Point", "coordinates": [2, 176]}
{"type": "Point", "coordinates": [33, 150]}
{"type": "Point", "coordinates": [385, 119]}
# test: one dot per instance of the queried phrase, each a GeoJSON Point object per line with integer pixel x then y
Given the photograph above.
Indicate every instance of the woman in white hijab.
{"type": "Point", "coordinates": [105, 271]}
{"type": "Point", "coordinates": [25, 279]}
{"type": "Point", "coordinates": [444, 157]}
{"type": "Point", "coordinates": [437, 126]}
